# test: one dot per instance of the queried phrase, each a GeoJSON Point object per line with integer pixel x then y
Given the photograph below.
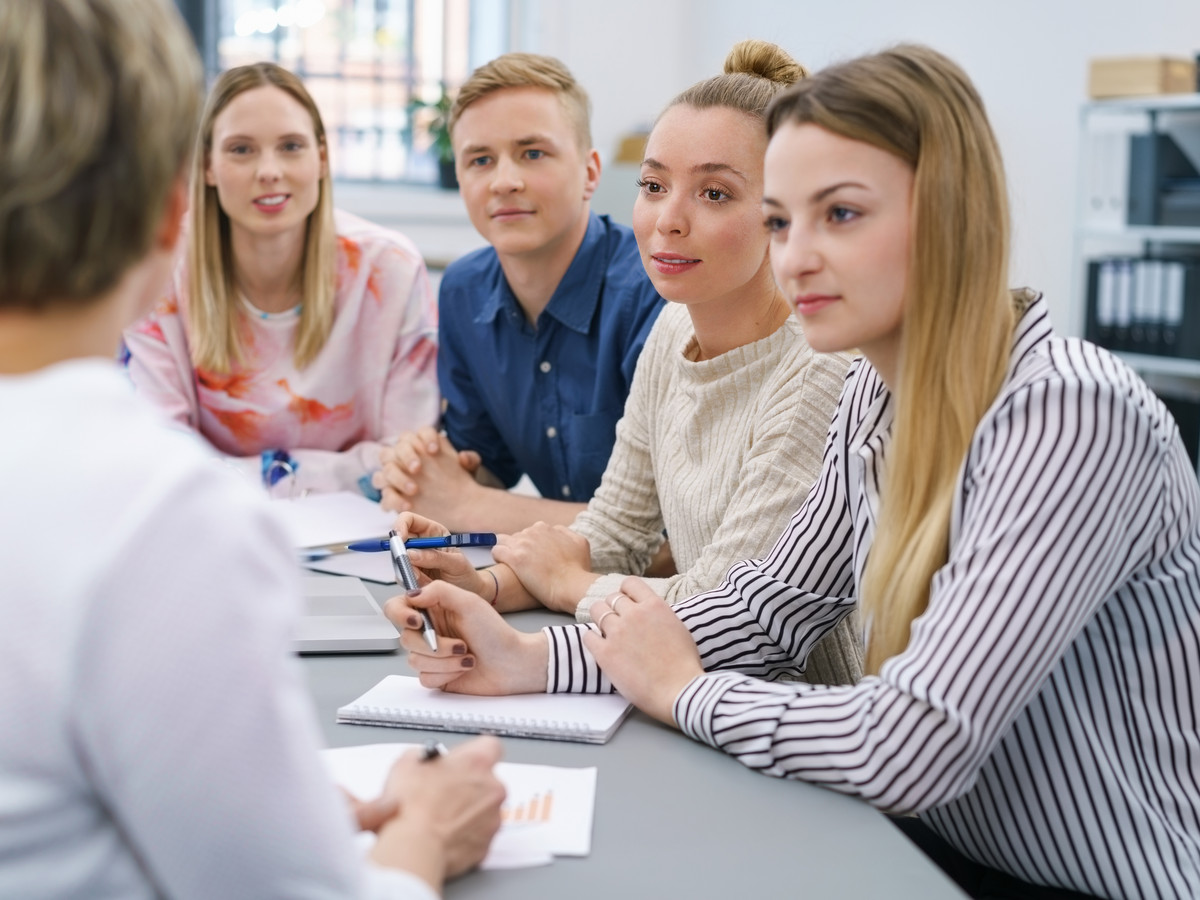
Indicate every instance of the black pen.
{"type": "Point", "coordinates": [432, 750]}
{"type": "Point", "coordinates": [406, 576]}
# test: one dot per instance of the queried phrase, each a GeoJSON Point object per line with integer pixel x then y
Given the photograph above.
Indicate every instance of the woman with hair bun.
{"type": "Point", "coordinates": [726, 418]}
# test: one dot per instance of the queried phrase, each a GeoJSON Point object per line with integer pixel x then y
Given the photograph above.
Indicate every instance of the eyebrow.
{"type": "Point", "coordinates": [703, 168]}
{"type": "Point", "coordinates": [833, 188]}
{"type": "Point", "coordinates": [526, 141]}
{"type": "Point", "coordinates": [290, 136]}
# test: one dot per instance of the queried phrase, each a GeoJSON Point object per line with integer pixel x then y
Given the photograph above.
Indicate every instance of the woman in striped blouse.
{"type": "Point", "coordinates": [1031, 595]}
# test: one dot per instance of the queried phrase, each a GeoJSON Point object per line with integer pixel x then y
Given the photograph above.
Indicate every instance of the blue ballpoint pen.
{"type": "Point", "coordinates": [473, 539]}
{"type": "Point", "coordinates": [406, 576]}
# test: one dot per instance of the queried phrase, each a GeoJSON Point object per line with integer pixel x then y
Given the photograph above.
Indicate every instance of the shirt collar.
{"type": "Point", "coordinates": [574, 301]}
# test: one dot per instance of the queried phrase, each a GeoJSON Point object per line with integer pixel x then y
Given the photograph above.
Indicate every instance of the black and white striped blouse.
{"type": "Point", "coordinates": [1045, 716]}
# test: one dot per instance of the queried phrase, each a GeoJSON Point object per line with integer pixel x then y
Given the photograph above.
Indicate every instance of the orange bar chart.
{"type": "Point", "coordinates": [536, 810]}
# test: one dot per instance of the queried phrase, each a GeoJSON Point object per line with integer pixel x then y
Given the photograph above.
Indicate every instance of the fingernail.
{"type": "Point", "coordinates": [432, 447]}
{"type": "Point", "coordinates": [468, 663]}
{"type": "Point", "coordinates": [415, 592]}
{"type": "Point", "coordinates": [458, 649]}
{"type": "Point", "coordinates": [412, 466]}
{"type": "Point", "coordinates": [413, 621]}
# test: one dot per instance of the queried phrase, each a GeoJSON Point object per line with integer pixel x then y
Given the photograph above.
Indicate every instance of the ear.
{"type": "Point", "coordinates": [593, 173]}
{"type": "Point", "coordinates": [171, 226]}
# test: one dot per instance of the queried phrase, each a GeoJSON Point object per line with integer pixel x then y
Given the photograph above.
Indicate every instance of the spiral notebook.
{"type": "Point", "coordinates": [401, 702]}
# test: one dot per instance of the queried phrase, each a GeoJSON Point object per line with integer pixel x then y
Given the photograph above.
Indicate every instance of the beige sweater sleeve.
{"type": "Point", "coordinates": [624, 521]}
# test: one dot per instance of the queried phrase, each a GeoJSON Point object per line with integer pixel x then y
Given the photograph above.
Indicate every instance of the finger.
{"type": "Point", "coordinates": [374, 814]}
{"type": "Point", "coordinates": [439, 663]}
{"type": "Point", "coordinates": [469, 460]}
{"type": "Point", "coordinates": [485, 749]}
{"type": "Point", "coordinates": [441, 681]}
{"type": "Point", "coordinates": [429, 439]}
{"type": "Point", "coordinates": [637, 590]}
{"type": "Point", "coordinates": [386, 454]}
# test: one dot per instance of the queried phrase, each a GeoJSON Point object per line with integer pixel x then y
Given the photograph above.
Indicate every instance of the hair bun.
{"type": "Point", "coordinates": [764, 60]}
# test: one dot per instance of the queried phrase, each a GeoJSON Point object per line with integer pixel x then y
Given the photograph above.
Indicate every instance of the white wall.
{"type": "Point", "coordinates": [1027, 57]}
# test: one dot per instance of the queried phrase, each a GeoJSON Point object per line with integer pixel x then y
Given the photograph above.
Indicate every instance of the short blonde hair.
{"type": "Point", "coordinates": [529, 70]}
{"type": "Point", "coordinates": [213, 312]}
{"type": "Point", "coordinates": [98, 102]}
{"type": "Point", "coordinates": [959, 317]}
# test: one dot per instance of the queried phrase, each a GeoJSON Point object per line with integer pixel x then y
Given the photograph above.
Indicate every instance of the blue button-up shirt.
{"type": "Point", "coordinates": [544, 401]}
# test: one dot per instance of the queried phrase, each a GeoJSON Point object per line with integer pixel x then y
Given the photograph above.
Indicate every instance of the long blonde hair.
{"type": "Point", "coordinates": [958, 312]}
{"type": "Point", "coordinates": [213, 311]}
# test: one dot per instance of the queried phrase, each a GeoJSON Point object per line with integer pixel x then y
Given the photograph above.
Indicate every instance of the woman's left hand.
{"type": "Point", "coordinates": [646, 652]}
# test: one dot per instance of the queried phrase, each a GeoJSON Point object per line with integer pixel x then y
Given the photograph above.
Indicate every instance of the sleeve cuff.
{"type": "Point", "coordinates": [696, 706]}
{"type": "Point", "coordinates": [383, 883]}
{"type": "Point", "coordinates": [570, 668]}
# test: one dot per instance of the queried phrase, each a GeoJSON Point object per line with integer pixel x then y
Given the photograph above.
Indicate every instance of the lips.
{"type": "Point", "coordinates": [507, 214]}
{"type": "Point", "coordinates": [271, 203]}
{"type": "Point", "coordinates": [808, 304]}
{"type": "Point", "coordinates": [673, 263]}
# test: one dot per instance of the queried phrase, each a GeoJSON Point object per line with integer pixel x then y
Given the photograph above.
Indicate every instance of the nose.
{"type": "Point", "coordinates": [268, 167]}
{"type": "Point", "coordinates": [794, 254]}
{"type": "Point", "coordinates": [506, 176]}
{"type": "Point", "coordinates": [673, 214]}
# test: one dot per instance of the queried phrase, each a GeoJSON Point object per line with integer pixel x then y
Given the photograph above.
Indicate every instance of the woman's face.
{"type": "Point", "coordinates": [697, 216]}
{"type": "Point", "coordinates": [265, 162]}
{"type": "Point", "coordinates": [839, 214]}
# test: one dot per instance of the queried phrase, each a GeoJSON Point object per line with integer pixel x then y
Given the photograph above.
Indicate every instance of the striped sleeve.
{"type": "Point", "coordinates": [756, 621]}
{"type": "Point", "coordinates": [1059, 500]}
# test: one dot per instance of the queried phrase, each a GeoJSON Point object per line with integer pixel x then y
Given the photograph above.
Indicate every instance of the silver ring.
{"type": "Point", "coordinates": [612, 604]}
{"type": "Point", "coordinates": [600, 621]}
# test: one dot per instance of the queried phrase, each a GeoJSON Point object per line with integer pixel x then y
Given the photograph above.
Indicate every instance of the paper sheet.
{"type": "Point", "coordinates": [329, 518]}
{"type": "Point", "coordinates": [548, 812]}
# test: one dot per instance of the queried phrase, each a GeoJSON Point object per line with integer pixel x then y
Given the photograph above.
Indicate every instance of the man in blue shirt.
{"type": "Point", "coordinates": [539, 333]}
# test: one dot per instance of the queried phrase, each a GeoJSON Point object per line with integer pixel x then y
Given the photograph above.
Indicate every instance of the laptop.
{"type": "Point", "coordinates": [341, 616]}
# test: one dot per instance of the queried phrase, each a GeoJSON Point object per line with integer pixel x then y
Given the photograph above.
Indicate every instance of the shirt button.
{"type": "Point", "coordinates": [551, 432]}
{"type": "Point", "coordinates": [566, 492]}
{"type": "Point", "coordinates": [545, 366]}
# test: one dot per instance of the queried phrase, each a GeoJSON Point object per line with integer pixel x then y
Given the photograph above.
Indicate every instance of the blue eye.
{"type": "Point", "coordinates": [479, 161]}
{"type": "Point", "coordinates": [841, 214]}
{"type": "Point", "coordinates": [775, 225]}
{"type": "Point", "coordinates": [535, 154]}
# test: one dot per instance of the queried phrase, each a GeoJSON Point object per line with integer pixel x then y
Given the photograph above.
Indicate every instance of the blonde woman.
{"type": "Point", "coordinates": [299, 339]}
{"type": "Point", "coordinates": [726, 419]}
{"type": "Point", "coordinates": [1014, 512]}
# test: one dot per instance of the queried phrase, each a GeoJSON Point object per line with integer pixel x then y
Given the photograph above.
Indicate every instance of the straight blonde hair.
{"type": "Point", "coordinates": [214, 313]}
{"type": "Point", "coordinates": [98, 104]}
{"type": "Point", "coordinates": [959, 316]}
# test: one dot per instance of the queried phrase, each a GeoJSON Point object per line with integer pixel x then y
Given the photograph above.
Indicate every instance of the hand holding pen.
{"type": "Point", "coordinates": [406, 576]}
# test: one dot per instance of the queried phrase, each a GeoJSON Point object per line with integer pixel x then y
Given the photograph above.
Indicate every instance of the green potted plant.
{"type": "Point", "coordinates": [433, 119]}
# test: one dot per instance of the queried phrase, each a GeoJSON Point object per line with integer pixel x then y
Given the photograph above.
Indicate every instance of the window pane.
{"type": "Point", "coordinates": [364, 61]}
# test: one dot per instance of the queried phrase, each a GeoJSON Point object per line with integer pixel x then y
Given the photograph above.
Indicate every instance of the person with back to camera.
{"type": "Point", "coordinates": [294, 337]}
{"type": "Point", "coordinates": [160, 741]}
{"type": "Point", "coordinates": [539, 333]}
{"type": "Point", "coordinates": [1013, 511]}
{"type": "Point", "coordinates": [726, 420]}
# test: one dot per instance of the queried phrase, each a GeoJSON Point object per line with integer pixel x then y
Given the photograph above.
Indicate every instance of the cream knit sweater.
{"type": "Point", "coordinates": [720, 453]}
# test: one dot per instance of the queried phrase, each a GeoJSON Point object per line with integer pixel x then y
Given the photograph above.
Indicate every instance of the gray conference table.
{"type": "Point", "coordinates": [674, 818]}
